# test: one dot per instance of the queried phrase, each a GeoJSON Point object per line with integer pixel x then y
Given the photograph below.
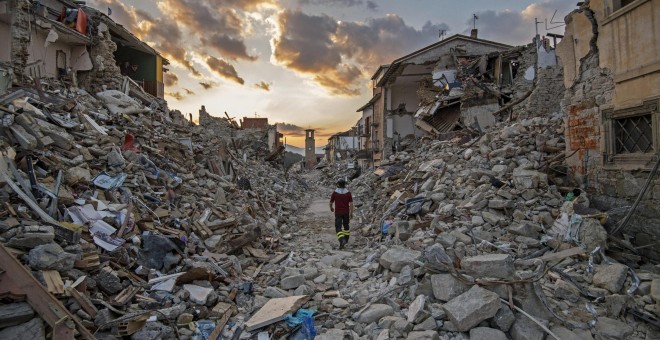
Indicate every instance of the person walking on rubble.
{"type": "Point", "coordinates": [343, 210]}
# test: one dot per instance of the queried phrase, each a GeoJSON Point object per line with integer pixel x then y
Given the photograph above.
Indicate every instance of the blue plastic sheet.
{"type": "Point", "coordinates": [298, 318]}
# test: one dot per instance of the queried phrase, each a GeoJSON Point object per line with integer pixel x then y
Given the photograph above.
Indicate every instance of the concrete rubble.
{"type": "Point", "coordinates": [496, 240]}
{"type": "Point", "coordinates": [142, 213]}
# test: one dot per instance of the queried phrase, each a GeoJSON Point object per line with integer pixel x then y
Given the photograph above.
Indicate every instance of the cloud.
{"type": "Point", "coordinates": [290, 129]}
{"type": "Point", "coordinates": [207, 85]}
{"type": "Point", "coordinates": [263, 85]}
{"type": "Point", "coordinates": [340, 3]}
{"type": "Point", "coordinates": [220, 28]}
{"type": "Point", "coordinates": [517, 28]}
{"type": "Point", "coordinates": [189, 91]}
{"type": "Point", "coordinates": [224, 69]}
{"type": "Point", "coordinates": [341, 55]}
{"type": "Point", "coordinates": [170, 79]}
{"type": "Point", "coordinates": [176, 95]}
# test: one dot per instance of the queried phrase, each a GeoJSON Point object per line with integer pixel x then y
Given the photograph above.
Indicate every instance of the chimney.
{"type": "Point", "coordinates": [473, 33]}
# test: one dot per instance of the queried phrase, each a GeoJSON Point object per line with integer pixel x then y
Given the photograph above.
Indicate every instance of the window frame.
{"type": "Point", "coordinates": [639, 160]}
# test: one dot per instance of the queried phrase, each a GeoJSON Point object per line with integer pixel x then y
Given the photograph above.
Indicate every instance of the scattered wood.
{"type": "Point", "coordinates": [84, 302]}
{"type": "Point", "coordinates": [54, 282]}
{"type": "Point", "coordinates": [226, 313]}
{"type": "Point", "coordinates": [274, 311]}
{"type": "Point", "coordinates": [125, 296]}
{"type": "Point", "coordinates": [128, 327]}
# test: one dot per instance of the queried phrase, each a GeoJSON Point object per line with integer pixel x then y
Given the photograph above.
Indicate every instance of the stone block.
{"type": "Point", "coordinates": [416, 307]}
{"type": "Point", "coordinates": [525, 329]}
{"type": "Point", "coordinates": [292, 282]}
{"type": "Point", "coordinates": [374, 313]}
{"type": "Point", "coordinates": [610, 277]}
{"type": "Point", "coordinates": [447, 287]}
{"type": "Point", "coordinates": [50, 257]}
{"type": "Point", "coordinates": [485, 333]}
{"type": "Point", "coordinates": [472, 307]}
{"type": "Point", "coordinates": [607, 328]}
{"type": "Point", "coordinates": [396, 258]}
{"type": "Point", "coordinates": [491, 265]}
{"type": "Point", "coordinates": [423, 335]}
{"type": "Point", "coordinates": [504, 318]}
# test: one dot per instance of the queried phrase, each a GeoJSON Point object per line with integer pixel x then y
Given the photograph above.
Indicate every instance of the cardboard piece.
{"type": "Point", "coordinates": [274, 311]}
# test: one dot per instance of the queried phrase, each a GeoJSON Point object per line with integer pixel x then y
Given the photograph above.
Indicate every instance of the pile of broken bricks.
{"type": "Point", "coordinates": [120, 218]}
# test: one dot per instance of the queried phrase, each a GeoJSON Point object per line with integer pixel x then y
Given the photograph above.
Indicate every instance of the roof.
{"type": "Point", "coordinates": [254, 123]}
{"type": "Point", "coordinates": [129, 39]}
{"type": "Point", "coordinates": [385, 66]}
{"type": "Point", "coordinates": [396, 63]}
{"type": "Point", "coordinates": [371, 102]}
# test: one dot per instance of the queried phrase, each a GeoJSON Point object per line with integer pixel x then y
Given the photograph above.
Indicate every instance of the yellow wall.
{"type": "Point", "coordinates": [629, 46]}
{"type": "Point", "coordinates": [159, 68]}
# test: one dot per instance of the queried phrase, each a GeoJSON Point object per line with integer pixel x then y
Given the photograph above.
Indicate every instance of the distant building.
{"type": "Point", "coordinates": [342, 146]}
{"type": "Point", "coordinates": [254, 123]}
{"type": "Point", "coordinates": [310, 150]}
{"type": "Point", "coordinates": [392, 114]}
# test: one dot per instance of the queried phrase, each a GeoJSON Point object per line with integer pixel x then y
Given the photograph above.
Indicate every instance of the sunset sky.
{"type": "Point", "coordinates": [306, 63]}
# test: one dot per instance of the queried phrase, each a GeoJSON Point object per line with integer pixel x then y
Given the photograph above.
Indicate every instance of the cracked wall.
{"type": "Point", "coordinates": [610, 62]}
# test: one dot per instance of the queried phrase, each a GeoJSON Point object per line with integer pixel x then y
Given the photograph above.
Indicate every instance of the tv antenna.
{"type": "Point", "coordinates": [442, 34]}
{"type": "Point", "coordinates": [474, 20]}
{"type": "Point", "coordinates": [552, 22]}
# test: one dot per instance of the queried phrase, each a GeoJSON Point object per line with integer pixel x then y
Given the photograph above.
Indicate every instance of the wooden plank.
{"type": "Point", "coordinates": [125, 296]}
{"type": "Point", "coordinates": [126, 328]}
{"type": "Point", "coordinates": [53, 282]}
{"type": "Point", "coordinates": [17, 281]}
{"type": "Point", "coordinates": [562, 254]}
{"type": "Point", "coordinates": [274, 311]}
{"type": "Point", "coordinates": [221, 323]}
{"type": "Point", "coordinates": [84, 302]}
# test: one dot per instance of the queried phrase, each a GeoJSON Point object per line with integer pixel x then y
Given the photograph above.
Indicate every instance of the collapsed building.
{"type": "Point", "coordinates": [457, 83]}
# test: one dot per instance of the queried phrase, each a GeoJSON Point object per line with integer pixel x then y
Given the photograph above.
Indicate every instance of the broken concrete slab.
{"type": "Point", "coordinates": [470, 308]}
{"type": "Point", "coordinates": [423, 335]}
{"type": "Point", "coordinates": [490, 265]}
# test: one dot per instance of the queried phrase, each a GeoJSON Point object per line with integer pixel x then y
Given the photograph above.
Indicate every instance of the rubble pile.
{"type": "Point", "coordinates": [484, 237]}
{"type": "Point", "coordinates": [140, 223]}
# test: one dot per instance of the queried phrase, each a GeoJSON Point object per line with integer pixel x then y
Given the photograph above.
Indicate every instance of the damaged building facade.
{"type": "Point", "coordinates": [459, 83]}
{"type": "Point", "coordinates": [71, 43]}
{"type": "Point", "coordinates": [612, 78]}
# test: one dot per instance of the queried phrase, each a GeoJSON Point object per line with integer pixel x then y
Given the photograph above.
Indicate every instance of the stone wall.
{"type": "Point", "coordinates": [20, 37]}
{"type": "Point", "coordinates": [105, 69]}
{"type": "Point", "coordinates": [590, 91]}
{"type": "Point", "coordinates": [548, 87]}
